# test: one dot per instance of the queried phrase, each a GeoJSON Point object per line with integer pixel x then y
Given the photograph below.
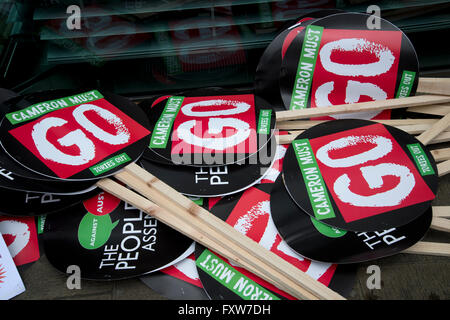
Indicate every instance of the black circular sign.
{"type": "Point", "coordinates": [249, 212]}
{"type": "Point", "coordinates": [20, 203]}
{"type": "Point", "coordinates": [360, 175]}
{"type": "Point", "coordinates": [338, 59]}
{"type": "Point", "coordinates": [268, 70]}
{"type": "Point", "coordinates": [178, 282]}
{"type": "Point", "coordinates": [109, 240]}
{"type": "Point", "coordinates": [318, 241]}
{"type": "Point", "coordinates": [9, 179]}
{"type": "Point", "coordinates": [216, 180]}
{"type": "Point", "coordinates": [76, 136]}
{"type": "Point", "coordinates": [209, 127]}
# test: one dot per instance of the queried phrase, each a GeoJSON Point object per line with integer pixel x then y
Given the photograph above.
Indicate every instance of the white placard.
{"type": "Point", "coordinates": [11, 283]}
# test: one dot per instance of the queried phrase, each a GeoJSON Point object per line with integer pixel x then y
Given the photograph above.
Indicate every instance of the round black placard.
{"type": "Point", "coordinates": [318, 241]}
{"type": "Point", "coordinates": [9, 179]}
{"type": "Point", "coordinates": [268, 71]}
{"type": "Point", "coordinates": [20, 203]}
{"type": "Point", "coordinates": [109, 240]}
{"type": "Point", "coordinates": [360, 175]}
{"type": "Point", "coordinates": [178, 282]}
{"type": "Point", "coordinates": [249, 212]}
{"type": "Point", "coordinates": [338, 59]}
{"type": "Point", "coordinates": [76, 135]}
{"type": "Point", "coordinates": [216, 180]}
{"type": "Point", "coordinates": [189, 128]}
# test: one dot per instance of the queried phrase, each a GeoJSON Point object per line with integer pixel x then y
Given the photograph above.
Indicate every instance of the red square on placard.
{"type": "Point", "coordinates": [360, 199]}
{"type": "Point", "coordinates": [102, 149]}
{"type": "Point", "coordinates": [21, 238]}
{"type": "Point", "coordinates": [369, 46]}
{"type": "Point", "coordinates": [201, 126]}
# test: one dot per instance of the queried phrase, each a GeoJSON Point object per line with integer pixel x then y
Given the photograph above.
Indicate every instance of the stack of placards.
{"type": "Point", "coordinates": [106, 237]}
{"type": "Point", "coordinates": [208, 275]}
{"type": "Point", "coordinates": [351, 190]}
{"type": "Point", "coordinates": [210, 142]}
{"type": "Point", "coordinates": [354, 190]}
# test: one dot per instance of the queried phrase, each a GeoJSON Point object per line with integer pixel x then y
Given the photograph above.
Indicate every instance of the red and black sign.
{"type": "Point", "coordinates": [338, 60]}
{"type": "Point", "coordinates": [209, 127]}
{"type": "Point", "coordinates": [79, 137]}
{"type": "Point", "coordinates": [215, 181]}
{"type": "Point", "coordinates": [359, 175]}
{"type": "Point", "coordinates": [317, 241]}
{"type": "Point", "coordinates": [249, 212]}
{"type": "Point", "coordinates": [15, 177]}
{"type": "Point", "coordinates": [22, 203]}
{"type": "Point", "coordinates": [268, 71]}
{"type": "Point", "coordinates": [110, 239]}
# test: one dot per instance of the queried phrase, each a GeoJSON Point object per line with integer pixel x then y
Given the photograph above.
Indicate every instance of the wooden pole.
{"type": "Point", "coordinates": [361, 107]}
{"type": "Point", "coordinates": [430, 248]}
{"type": "Point", "coordinates": [438, 127]}
{"type": "Point", "coordinates": [169, 199]}
{"type": "Point", "coordinates": [434, 85]}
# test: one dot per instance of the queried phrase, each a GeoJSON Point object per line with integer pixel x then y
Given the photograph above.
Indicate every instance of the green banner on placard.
{"type": "Point", "coordinates": [264, 121]}
{"type": "Point", "coordinates": [305, 69]}
{"type": "Point", "coordinates": [109, 164]}
{"type": "Point", "coordinates": [314, 183]}
{"type": "Point", "coordinates": [421, 159]}
{"type": "Point", "coordinates": [41, 224]}
{"type": "Point", "coordinates": [406, 83]}
{"type": "Point", "coordinates": [36, 110]}
{"type": "Point", "coordinates": [232, 279]}
{"type": "Point", "coordinates": [163, 127]}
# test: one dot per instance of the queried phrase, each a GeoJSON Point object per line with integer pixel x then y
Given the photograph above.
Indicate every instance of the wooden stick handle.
{"type": "Point", "coordinates": [196, 234]}
{"type": "Point", "coordinates": [361, 107]}
{"type": "Point", "coordinates": [265, 263]}
{"type": "Point", "coordinates": [441, 154]}
{"type": "Point", "coordinates": [430, 248]}
{"type": "Point", "coordinates": [188, 218]}
{"type": "Point", "coordinates": [168, 198]}
{"type": "Point", "coordinates": [443, 168]}
{"type": "Point", "coordinates": [434, 86]}
{"type": "Point", "coordinates": [443, 137]}
{"type": "Point", "coordinates": [288, 138]}
{"type": "Point", "coordinates": [437, 110]}
{"type": "Point", "coordinates": [440, 224]}
{"type": "Point", "coordinates": [418, 128]}
{"type": "Point", "coordinates": [441, 211]}
{"type": "Point", "coordinates": [427, 136]}
{"type": "Point", "coordinates": [306, 124]}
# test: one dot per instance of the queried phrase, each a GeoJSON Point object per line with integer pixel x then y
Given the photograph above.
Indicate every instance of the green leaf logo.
{"type": "Point", "coordinates": [94, 231]}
